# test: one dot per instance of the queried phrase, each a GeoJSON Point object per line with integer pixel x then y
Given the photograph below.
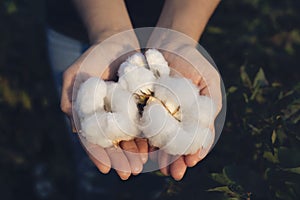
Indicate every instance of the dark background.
{"type": "Point", "coordinates": [256, 45]}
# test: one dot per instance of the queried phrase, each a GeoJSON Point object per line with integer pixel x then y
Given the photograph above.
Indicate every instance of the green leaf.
{"type": "Point", "coordinates": [255, 130]}
{"type": "Point", "coordinates": [232, 89]}
{"type": "Point", "coordinates": [295, 170]}
{"type": "Point", "coordinates": [220, 178]}
{"type": "Point", "coordinates": [273, 137]}
{"type": "Point", "coordinates": [292, 111]}
{"type": "Point", "coordinates": [245, 78]}
{"type": "Point", "coordinates": [270, 157]}
{"type": "Point", "coordinates": [246, 97]}
{"type": "Point", "coordinates": [260, 79]}
{"type": "Point", "coordinates": [244, 177]}
{"type": "Point", "coordinates": [224, 189]}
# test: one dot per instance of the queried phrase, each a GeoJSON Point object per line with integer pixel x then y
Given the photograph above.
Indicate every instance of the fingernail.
{"type": "Point", "coordinates": [124, 175]}
{"type": "Point", "coordinates": [136, 169]}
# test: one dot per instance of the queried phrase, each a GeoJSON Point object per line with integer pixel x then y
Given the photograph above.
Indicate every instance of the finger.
{"type": "Point", "coordinates": [153, 153]}
{"type": "Point", "coordinates": [163, 162]}
{"type": "Point", "coordinates": [72, 124]}
{"type": "Point", "coordinates": [99, 157]}
{"type": "Point", "coordinates": [132, 153]}
{"type": "Point", "coordinates": [142, 145]}
{"type": "Point", "coordinates": [67, 86]}
{"type": "Point", "coordinates": [212, 87]}
{"type": "Point", "coordinates": [103, 168]}
{"type": "Point", "coordinates": [119, 162]}
{"type": "Point", "coordinates": [178, 168]}
{"type": "Point", "coordinates": [192, 159]}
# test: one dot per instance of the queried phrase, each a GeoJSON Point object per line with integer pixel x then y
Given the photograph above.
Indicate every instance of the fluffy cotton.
{"type": "Point", "coordinates": [90, 97]}
{"type": "Point", "coordinates": [134, 75]}
{"type": "Point", "coordinates": [175, 117]}
{"type": "Point", "coordinates": [136, 79]}
{"type": "Point", "coordinates": [171, 135]}
{"type": "Point", "coordinates": [157, 63]}
{"type": "Point", "coordinates": [203, 111]}
{"type": "Point", "coordinates": [178, 118]}
{"type": "Point", "coordinates": [107, 129]}
{"type": "Point", "coordinates": [137, 59]}
{"type": "Point", "coordinates": [112, 121]}
{"type": "Point", "coordinates": [181, 91]}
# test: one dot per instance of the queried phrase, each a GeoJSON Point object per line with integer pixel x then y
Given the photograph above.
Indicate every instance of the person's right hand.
{"type": "Point", "coordinates": [128, 158]}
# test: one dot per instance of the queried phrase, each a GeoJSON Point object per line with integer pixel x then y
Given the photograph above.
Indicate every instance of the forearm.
{"type": "Point", "coordinates": [187, 16]}
{"type": "Point", "coordinates": [103, 18]}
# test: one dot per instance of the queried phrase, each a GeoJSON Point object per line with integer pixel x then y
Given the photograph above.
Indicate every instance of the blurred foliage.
{"type": "Point", "coordinates": [256, 45]}
{"type": "Point", "coordinates": [268, 139]}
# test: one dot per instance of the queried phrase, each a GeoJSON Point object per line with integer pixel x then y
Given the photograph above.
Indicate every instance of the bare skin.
{"type": "Point", "coordinates": [178, 168]}
{"type": "Point", "coordinates": [105, 18]}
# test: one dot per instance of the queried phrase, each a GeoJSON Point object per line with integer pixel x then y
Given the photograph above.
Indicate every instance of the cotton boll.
{"type": "Point", "coordinates": [180, 90]}
{"type": "Point", "coordinates": [185, 142]}
{"type": "Point", "coordinates": [120, 100]}
{"type": "Point", "coordinates": [93, 130]}
{"type": "Point", "coordinates": [179, 143]}
{"type": "Point", "coordinates": [107, 129]}
{"type": "Point", "coordinates": [117, 121]}
{"type": "Point", "coordinates": [164, 94]}
{"type": "Point", "coordinates": [157, 124]}
{"type": "Point", "coordinates": [122, 104]}
{"type": "Point", "coordinates": [157, 63]}
{"type": "Point", "coordinates": [90, 97]}
{"type": "Point", "coordinates": [137, 79]}
{"type": "Point", "coordinates": [137, 59]}
{"type": "Point", "coordinates": [199, 135]}
{"type": "Point", "coordinates": [124, 68]}
{"type": "Point", "coordinates": [118, 128]}
{"type": "Point", "coordinates": [202, 112]}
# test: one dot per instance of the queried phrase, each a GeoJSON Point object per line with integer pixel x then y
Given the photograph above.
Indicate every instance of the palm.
{"type": "Point", "coordinates": [177, 169]}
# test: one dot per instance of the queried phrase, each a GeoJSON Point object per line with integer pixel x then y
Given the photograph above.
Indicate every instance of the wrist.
{"type": "Point", "coordinates": [99, 35]}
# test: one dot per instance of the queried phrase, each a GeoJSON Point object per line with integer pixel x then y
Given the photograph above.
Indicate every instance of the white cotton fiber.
{"type": "Point", "coordinates": [180, 90]}
{"type": "Point", "coordinates": [186, 131]}
{"type": "Point", "coordinates": [137, 59]}
{"type": "Point", "coordinates": [92, 130]}
{"type": "Point", "coordinates": [175, 118]}
{"type": "Point", "coordinates": [137, 79]}
{"type": "Point", "coordinates": [157, 63]}
{"type": "Point", "coordinates": [157, 124]}
{"type": "Point", "coordinates": [114, 120]}
{"type": "Point", "coordinates": [202, 112]}
{"type": "Point", "coordinates": [117, 127]}
{"type": "Point", "coordinates": [125, 68]}
{"type": "Point", "coordinates": [106, 129]}
{"type": "Point", "coordinates": [122, 102]}
{"type": "Point", "coordinates": [90, 97]}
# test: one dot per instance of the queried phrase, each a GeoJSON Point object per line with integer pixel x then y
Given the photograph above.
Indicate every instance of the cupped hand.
{"type": "Point", "coordinates": [100, 60]}
{"type": "Point", "coordinates": [207, 79]}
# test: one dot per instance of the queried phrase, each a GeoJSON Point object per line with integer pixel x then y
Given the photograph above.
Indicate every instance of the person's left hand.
{"type": "Point", "coordinates": [209, 85]}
